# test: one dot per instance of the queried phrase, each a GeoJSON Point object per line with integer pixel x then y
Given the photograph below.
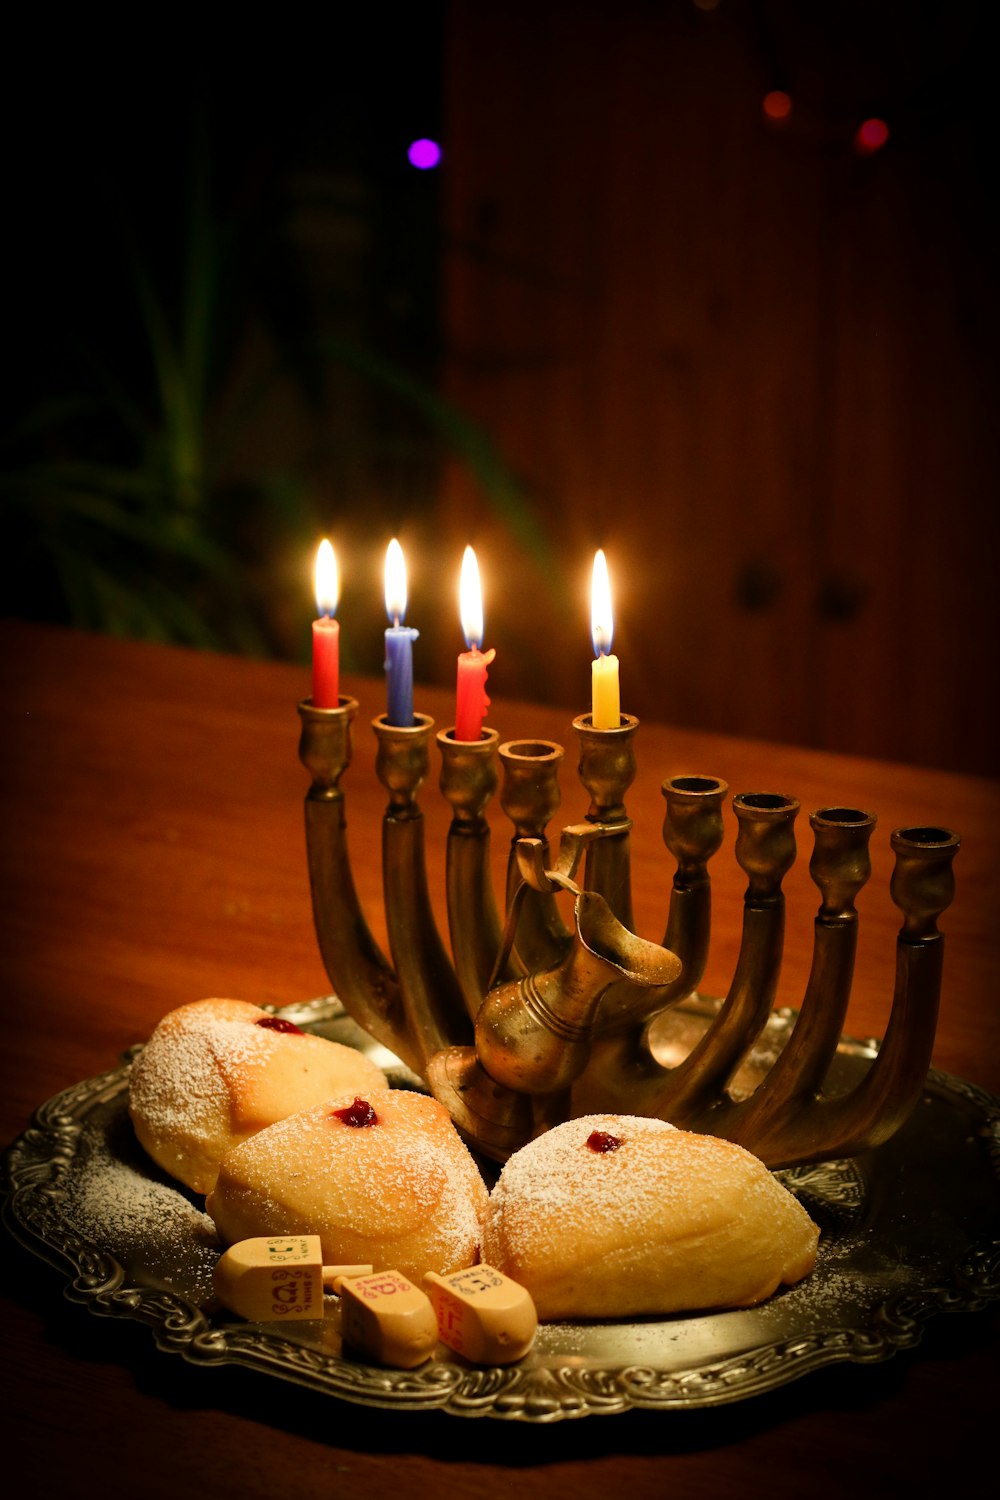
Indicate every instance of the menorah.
{"type": "Point", "coordinates": [531, 1021]}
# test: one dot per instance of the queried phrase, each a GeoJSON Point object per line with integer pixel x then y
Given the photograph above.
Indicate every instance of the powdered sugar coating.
{"type": "Point", "coordinates": [669, 1221]}
{"type": "Point", "coordinates": [210, 1076]}
{"type": "Point", "coordinates": [403, 1193]}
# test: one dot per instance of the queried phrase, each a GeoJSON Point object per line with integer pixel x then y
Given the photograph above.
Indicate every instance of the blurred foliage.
{"type": "Point", "coordinates": [180, 310]}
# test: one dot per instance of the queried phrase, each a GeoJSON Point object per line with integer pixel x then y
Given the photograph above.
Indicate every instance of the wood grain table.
{"type": "Point", "coordinates": [153, 853]}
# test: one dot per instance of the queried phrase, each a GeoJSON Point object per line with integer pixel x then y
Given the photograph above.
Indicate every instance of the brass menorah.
{"type": "Point", "coordinates": [531, 1021]}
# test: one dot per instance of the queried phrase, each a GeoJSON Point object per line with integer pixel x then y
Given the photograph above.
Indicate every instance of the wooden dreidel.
{"type": "Point", "coordinates": [277, 1278]}
{"type": "Point", "coordinates": [387, 1319]}
{"type": "Point", "coordinates": [483, 1315]}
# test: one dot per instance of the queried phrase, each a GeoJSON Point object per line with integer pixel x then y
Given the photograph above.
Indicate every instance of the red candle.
{"type": "Point", "coordinates": [472, 702]}
{"type": "Point", "coordinates": [326, 631]}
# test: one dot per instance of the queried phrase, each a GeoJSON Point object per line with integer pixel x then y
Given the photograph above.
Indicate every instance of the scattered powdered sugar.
{"type": "Point", "coordinates": [183, 1070]}
{"type": "Point", "coordinates": [148, 1226]}
{"type": "Point", "coordinates": [557, 1180]}
{"type": "Point", "coordinates": [664, 1196]}
{"type": "Point", "coordinates": [212, 1073]}
{"type": "Point", "coordinates": [407, 1176]}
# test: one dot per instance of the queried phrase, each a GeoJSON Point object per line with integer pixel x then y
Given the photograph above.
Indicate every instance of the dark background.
{"type": "Point", "coordinates": [758, 367]}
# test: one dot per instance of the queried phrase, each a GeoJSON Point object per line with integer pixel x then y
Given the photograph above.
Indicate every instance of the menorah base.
{"type": "Point", "coordinates": [494, 1119]}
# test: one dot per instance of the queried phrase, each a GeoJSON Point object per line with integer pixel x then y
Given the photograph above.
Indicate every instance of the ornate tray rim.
{"type": "Point", "coordinates": [39, 1165]}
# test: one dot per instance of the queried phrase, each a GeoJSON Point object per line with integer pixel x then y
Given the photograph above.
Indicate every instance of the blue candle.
{"type": "Point", "coordinates": [399, 640]}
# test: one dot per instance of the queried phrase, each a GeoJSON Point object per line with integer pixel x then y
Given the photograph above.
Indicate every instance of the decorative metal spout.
{"type": "Point", "coordinates": [533, 1035]}
{"type": "Point", "coordinates": [621, 1058]}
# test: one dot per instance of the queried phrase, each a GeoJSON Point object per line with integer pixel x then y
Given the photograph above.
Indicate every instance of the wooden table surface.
{"type": "Point", "coordinates": [154, 853]}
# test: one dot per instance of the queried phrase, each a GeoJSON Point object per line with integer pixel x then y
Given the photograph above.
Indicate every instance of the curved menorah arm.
{"type": "Point", "coordinates": [923, 887]}
{"type": "Point", "coordinates": [361, 976]}
{"type": "Point", "coordinates": [432, 1000]}
{"type": "Point", "coordinates": [468, 780]}
{"type": "Point", "coordinates": [840, 867]}
{"type": "Point", "coordinates": [691, 1092]}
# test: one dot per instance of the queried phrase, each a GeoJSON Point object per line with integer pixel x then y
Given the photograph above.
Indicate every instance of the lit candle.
{"type": "Point", "coordinates": [399, 640]}
{"type": "Point", "coordinates": [326, 631]}
{"type": "Point", "coordinates": [472, 702]}
{"type": "Point", "coordinates": [605, 710]}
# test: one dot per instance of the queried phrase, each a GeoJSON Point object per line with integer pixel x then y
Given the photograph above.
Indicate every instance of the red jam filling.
{"type": "Point", "coordinates": [275, 1023]}
{"type": "Point", "coordinates": [600, 1140]}
{"type": "Point", "coordinates": [359, 1114]}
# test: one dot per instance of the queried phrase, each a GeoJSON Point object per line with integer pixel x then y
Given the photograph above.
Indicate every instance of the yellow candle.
{"type": "Point", "coordinates": [605, 710]}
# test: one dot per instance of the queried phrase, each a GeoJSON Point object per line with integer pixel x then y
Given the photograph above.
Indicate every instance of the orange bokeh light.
{"type": "Point", "coordinates": [777, 106]}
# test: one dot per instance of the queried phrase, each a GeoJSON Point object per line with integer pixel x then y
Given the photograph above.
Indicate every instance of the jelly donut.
{"type": "Point", "coordinates": [616, 1215]}
{"type": "Point", "coordinates": [216, 1071]}
{"type": "Point", "coordinates": [380, 1177]}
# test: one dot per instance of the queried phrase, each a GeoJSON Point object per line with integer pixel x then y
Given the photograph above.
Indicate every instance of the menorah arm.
{"type": "Point", "coordinates": [432, 1001]}
{"type": "Point", "coordinates": [361, 977]}
{"type": "Point", "coordinates": [875, 1109]}
{"type": "Point", "coordinates": [359, 973]}
{"type": "Point", "coordinates": [473, 919]}
{"type": "Point", "coordinates": [922, 886]}
{"type": "Point", "coordinates": [691, 1093]}
{"type": "Point", "coordinates": [468, 781]}
{"type": "Point", "coordinates": [840, 866]}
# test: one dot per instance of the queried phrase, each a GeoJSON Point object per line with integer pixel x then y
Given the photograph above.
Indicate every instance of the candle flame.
{"type": "Point", "coordinates": [395, 582]}
{"type": "Point", "coordinates": [327, 579]}
{"type": "Point", "coordinates": [470, 601]}
{"type": "Point", "coordinates": [601, 621]}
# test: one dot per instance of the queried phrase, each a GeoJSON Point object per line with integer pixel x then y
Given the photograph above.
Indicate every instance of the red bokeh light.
{"type": "Point", "coordinates": [871, 137]}
{"type": "Point", "coordinates": [777, 106]}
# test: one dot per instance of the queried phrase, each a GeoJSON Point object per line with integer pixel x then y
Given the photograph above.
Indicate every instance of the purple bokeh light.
{"type": "Point", "coordinates": [424, 154]}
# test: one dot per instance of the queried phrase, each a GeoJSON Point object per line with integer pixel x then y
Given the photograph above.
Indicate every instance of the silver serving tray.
{"type": "Point", "coordinates": [909, 1230]}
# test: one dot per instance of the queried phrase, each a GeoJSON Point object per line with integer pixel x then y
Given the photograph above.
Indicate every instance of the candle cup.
{"type": "Point", "coordinates": [607, 769]}
{"type": "Point", "coordinates": [325, 742]}
{"type": "Point", "coordinates": [402, 760]}
{"type": "Point", "coordinates": [530, 796]}
{"type": "Point", "coordinates": [469, 776]}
